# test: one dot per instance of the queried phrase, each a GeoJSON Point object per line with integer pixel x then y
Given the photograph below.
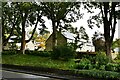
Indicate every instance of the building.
{"type": "Point", "coordinates": [61, 40]}
{"type": "Point", "coordinates": [67, 37]}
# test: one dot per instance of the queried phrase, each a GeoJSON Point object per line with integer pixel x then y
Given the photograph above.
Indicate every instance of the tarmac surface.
{"type": "Point", "coordinates": [10, 75]}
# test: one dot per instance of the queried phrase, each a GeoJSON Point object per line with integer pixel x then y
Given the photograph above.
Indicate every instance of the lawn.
{"type": "Point", "coordinates": [30, 60]}
{"type": "Point", "coordinates": [47, 62]}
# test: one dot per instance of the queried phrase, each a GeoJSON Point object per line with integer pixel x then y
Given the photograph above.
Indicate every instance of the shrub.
{"type": "Point", "coordinates": [38, 53]}
{"type": "Point", "coordinates": [111, 67]}
{"type": "Point", "coordinates": [63, 53]}
{"type": "Point", "coordinates": [91, 58]}
{"type": "Point", "coordinates": [102, 75]}
{"type": "Point", "coordinates": [84, 64]}
{"type": "Point", "coordinates": [102, 59]}
{"type": "Point", "coordinates": [118, 56]}
{"type": "Point", "coordinates": [10, 52]}
{"type": "Point", "coordinates": [118, 67]}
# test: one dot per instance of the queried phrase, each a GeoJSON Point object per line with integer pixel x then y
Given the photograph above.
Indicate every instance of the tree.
{"type": "Point", "coordinates": [107, 16]}
{"type": "Point", "coordinates": [27, 14]}
{"type": "Point", "coordinates": [40, 39]}
{"type": "Point", "coordinates": [8, 22]}
{"type": "Point", "coordinates": [80, 36]}
{"type": "Point", "coordinates": [57, 12]}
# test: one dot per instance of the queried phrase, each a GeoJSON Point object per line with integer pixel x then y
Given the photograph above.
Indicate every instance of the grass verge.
{"type": "Point", "coordinates": [46, 62]}
{"type": "Point", "coordinates": [30, 60]}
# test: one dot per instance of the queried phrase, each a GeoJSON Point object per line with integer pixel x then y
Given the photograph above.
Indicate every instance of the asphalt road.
{"type": "Point", "coordinates": [9, 75]}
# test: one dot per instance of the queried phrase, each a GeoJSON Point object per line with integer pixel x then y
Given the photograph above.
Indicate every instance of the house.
{"type": "Point", "coordinates": [61, 40]}
{"type": "Point", "coordinates": [67, 37]}
{"type": "Point", "coordinates": [29, 46]}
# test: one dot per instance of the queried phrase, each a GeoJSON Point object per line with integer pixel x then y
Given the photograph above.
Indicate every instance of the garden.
{"type": "Point", "coordinates": [64, 58]}
{"type": "Point", "coordinates": [37, 35]}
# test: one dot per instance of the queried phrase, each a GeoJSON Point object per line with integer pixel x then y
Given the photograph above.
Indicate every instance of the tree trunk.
{"type": "Point", "coordinates": [107, 30]}
{"type": "Point", "coordinates": [0, 38]}
{"type": "Point", "coordinates": [23, 42]}
{"type": "Point", "coordinates": [108, 49]}
{"type": "Point", "coordinates": [54, 38]}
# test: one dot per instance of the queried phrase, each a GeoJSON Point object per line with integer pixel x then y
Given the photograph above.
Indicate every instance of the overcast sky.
{"type": "Point", "coordinates": [83, 22]}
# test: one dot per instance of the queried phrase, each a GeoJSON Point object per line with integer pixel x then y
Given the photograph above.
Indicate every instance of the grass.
{"type": "Point", "coordinates": [37, 61]}
{"type": "Point", "coordinates": [30, 60]}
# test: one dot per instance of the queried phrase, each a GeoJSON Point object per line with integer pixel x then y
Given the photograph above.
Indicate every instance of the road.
{"type": "Point", "coordinates": [9, 75]}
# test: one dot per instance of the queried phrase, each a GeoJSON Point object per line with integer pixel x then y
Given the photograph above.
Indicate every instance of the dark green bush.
{"type": "Point", "coordinates": [101, 58]}
{"type": "Point", "coordinates": [38, 53]}
{"type": "Point", "coordinates": [118, 67]}
{"type": "Point", "coordinates": [102, 75]}
{"type": "Point", "coordinates": [63, 53]}
{"type": "Point", "coordinates": [118, 56]}
{"type": "Point", "coordinates": [84, 64]}
{"type": "Point", "coordinates": [28, 52]}
{"type": "Point", "coordinates": [10, 52]}
{"type": "Point", "coordinates": [111, 67]}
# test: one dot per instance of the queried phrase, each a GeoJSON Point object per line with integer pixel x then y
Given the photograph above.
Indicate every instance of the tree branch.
{"type": "Point", "coordinates": [33, 31]}
{"type": "Point", "coordinates": [101, 10]}
{"type": "Point", "coordinates": [114, 24]}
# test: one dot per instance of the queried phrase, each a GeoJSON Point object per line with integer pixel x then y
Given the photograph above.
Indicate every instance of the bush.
{"type": "Point", "coordinates": [118, 67]}
{"type": "Point", "coordinates": [102, 59]}
{"type": "Point", "coordinates": [84, 64]}
{"type": "Point", "coordinates": [10, 52]}
{"type": "Point", "coordinates": [118, 56]}
{"type": "Point", "coordinates": [102, 75]}
{"type": "Point", "coordinates": [111, 67]}
{"type": "Point", "coordinates": [99, 61]}
{"type": "Point", "coordinates": [63, 53]}
{"type": "Point", "coordinates": [38, 53]}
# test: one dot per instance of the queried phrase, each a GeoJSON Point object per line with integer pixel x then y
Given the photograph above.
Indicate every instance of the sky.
{"type": "Point", "coordinates": [83, 22]}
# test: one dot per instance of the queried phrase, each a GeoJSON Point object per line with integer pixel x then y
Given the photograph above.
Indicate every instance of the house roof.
{"type": "Point", "coordinates": [69, 35]}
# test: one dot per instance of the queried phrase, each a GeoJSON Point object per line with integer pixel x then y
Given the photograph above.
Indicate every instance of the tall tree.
{"type": "Point", "coordinates": [57, 12]}
{"type": "Point", "coordinates": [22, 15]}
{"type": "Point", "coordinates": [8, 21]}
{"type": "Point", "coordinates": [107, 16]}
{"type": "Point", "coordinates": [30, 15]}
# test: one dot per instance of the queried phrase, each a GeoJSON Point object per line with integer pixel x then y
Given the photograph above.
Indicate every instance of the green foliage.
{"type": "Point", "coordinates": [63, 53]}
{"type": "Point", "coordinates": [84, 64]}
{"type": "Point", "coordinates": [118, 56]}
{"type": "Point", "coordinates": [10, 52]}
{"type": "Point", "coordinates": [93, 62]}
{"type": "Point", "coordinates": [116, 43]}
{"type": "Point", "coordinates": [34, 53]}
{"type": "Point", "coordinates": [37, 61]}
{"type": "Point", "coordinates": [118, 67]}
{"type": "Point", "coordinates": [38, 53]}
{"type": "Point", "coordinates": [99, 74]}
{"type": "Point", "coordinates": [101, 58]}
{"type": "Point", "coordinates": [111, 67]}
{"type": "Point", "coordinates": [46, 62]}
